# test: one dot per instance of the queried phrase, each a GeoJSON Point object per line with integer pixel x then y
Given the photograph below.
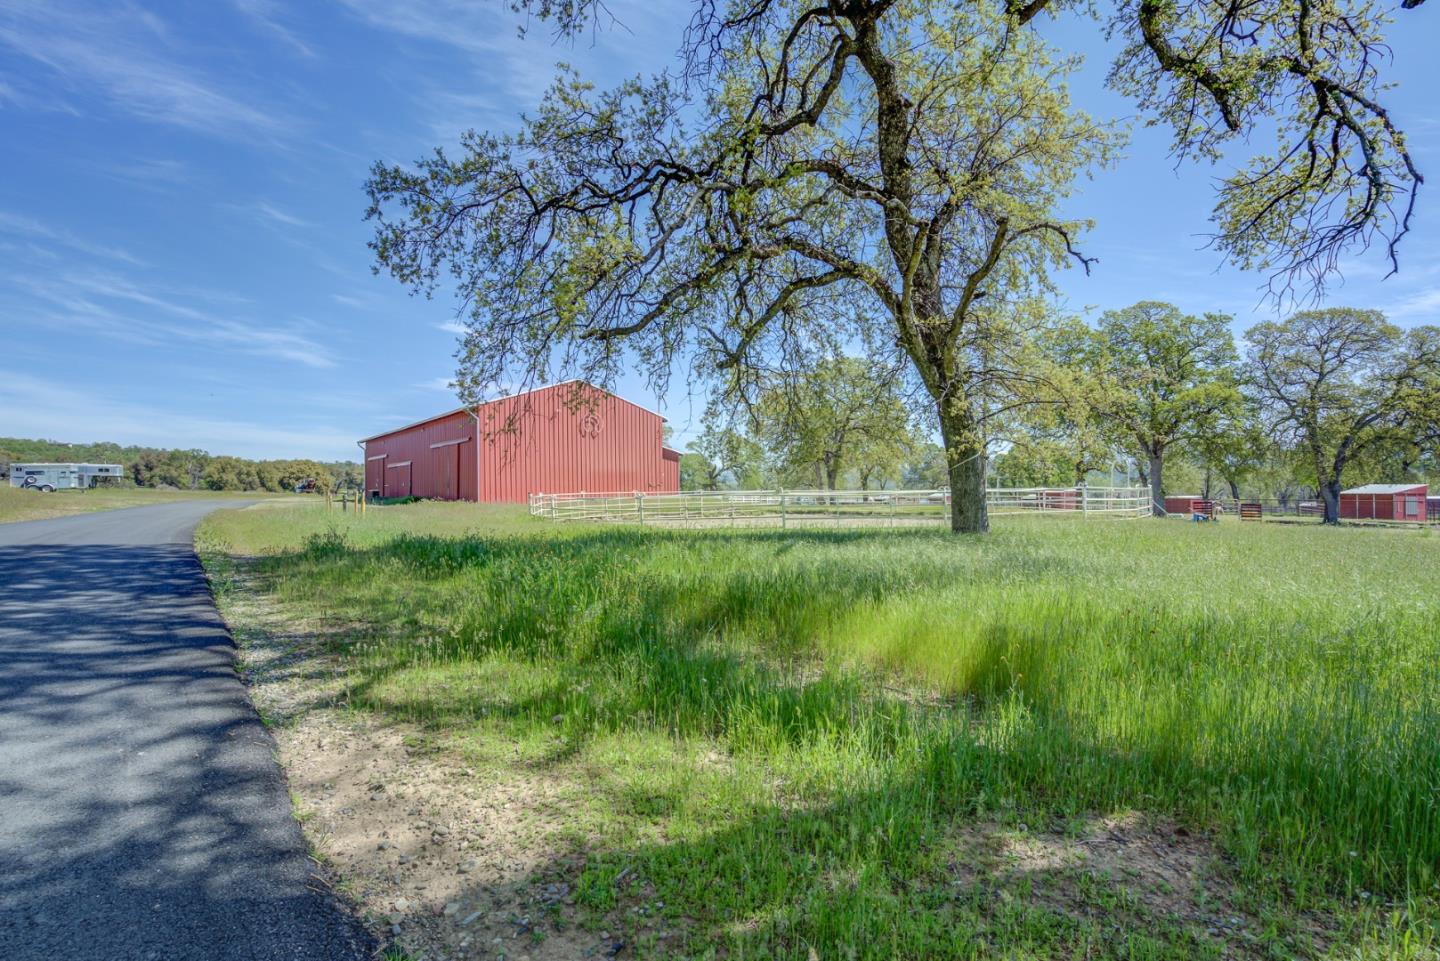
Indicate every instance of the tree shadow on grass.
{"type": "Point", "coordinates": [641, 653]}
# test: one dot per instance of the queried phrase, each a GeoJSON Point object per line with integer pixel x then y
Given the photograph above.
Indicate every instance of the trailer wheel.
{"type": "Point", "coordinates": [46, 489]}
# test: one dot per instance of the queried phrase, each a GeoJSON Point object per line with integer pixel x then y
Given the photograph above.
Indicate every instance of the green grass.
{"type": "Point", "coordinates": [29, 505]}
{"type": "Point", "coordinates": [791, 738]}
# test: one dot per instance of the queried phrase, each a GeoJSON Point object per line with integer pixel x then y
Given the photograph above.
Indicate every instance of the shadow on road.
{"type": "Point", "coordinates": [144, 814]}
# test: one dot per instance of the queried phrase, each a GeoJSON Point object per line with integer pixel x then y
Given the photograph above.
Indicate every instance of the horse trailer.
{"type": "Point", "coordinates": [60, 477]}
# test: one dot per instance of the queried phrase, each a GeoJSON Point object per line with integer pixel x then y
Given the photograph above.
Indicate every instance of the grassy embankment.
{"type": "Point", "coordinates": [830, 740]}
{"type": "Point", "coordinates": [29, 505]}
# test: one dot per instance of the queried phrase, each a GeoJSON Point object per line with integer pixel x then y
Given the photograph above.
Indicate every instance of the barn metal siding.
{"type": "Point", "coordinates": [1183, 503]}
{"type": "Point", "coordinates": [571, 438]}
{"type": "Point", "coordinates": [438, 466]}
{"type": "Point", "coordinates": [1406, 504]}
{"type": "Point", "coordinates": [567, 438]}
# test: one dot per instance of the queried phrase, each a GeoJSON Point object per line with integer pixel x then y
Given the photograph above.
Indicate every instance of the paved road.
{"type": "Point", "coordinates": [142, 814]}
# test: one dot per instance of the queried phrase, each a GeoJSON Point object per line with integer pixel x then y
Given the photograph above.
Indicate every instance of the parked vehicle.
{"type": "Point", "coordinates": [48, 478]}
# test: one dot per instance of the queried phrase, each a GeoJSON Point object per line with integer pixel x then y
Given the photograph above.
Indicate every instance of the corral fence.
{"type": "Point", "coordinates": [808, 508]}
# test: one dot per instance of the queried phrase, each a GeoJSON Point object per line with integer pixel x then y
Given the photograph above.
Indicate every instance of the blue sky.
{"type": "Point", "coordinates": [182, 251]}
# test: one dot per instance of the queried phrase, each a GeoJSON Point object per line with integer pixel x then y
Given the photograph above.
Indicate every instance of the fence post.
{"type": "Point", "coordinates": [782, 508]}
{"type": "Point", "coordinates": [640, 507]}
{"type": "Point", "coordinates": [1084, 499]}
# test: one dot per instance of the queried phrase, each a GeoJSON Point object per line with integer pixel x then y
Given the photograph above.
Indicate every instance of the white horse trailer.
{"type": "Point", "coordinates": [60, 477]}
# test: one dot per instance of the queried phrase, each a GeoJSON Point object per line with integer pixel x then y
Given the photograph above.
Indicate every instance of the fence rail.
{"type": "Point", "coordinates": [807, 508]}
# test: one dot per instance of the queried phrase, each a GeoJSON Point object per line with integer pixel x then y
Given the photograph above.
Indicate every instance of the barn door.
{"type": "Point", "coordinates": [400, 485]}
{"type": "Point", "coordinates": [445, 471]}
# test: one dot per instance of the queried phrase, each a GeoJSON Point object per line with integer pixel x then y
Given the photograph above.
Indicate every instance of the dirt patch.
{"type": "Point", "coordinates": [1143, 866]}
{"type": "Point", "coordinates": [443, 861]}
{"type": "Point", "coordinates": [445, 864]}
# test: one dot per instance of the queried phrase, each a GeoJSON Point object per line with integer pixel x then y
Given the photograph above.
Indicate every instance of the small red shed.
{"type": "Point", "coordinates": [1185, 504]}
{"type": "Point", "coordinates": [561, 439]}
{"type": "Point", "coordinates": [1386, 502]}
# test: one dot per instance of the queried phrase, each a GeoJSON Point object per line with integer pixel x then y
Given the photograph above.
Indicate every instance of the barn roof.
{"type": "Point", "coordinates": [518, 393]}
{"type": "Point", "coordinates": [1384, 489]}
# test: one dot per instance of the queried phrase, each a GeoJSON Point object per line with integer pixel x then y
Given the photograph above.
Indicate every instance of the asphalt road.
{"type": "Point", "coordinates": [142, 814]}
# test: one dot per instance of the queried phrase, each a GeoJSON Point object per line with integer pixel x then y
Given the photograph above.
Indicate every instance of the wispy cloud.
{"type": "Point", "coordinates": [67, 414]}
{"type": "Point", "coordinates": [453, 327]}
{"type": "Point", "coordinates": [1422, 305]}
{"type": "Point", "coordinates": [37, 231]}
{"type": "Point", "coordinates": [516, 71]}
{"type": "Point", "coordinates": [116, 52]}
{"type": "Point", "coordinates": [271, 212]}
{"type": "Point", "coordinates": [457, 23]}
{"type": "Point", "coordinates": [266, 15]}
{"type": "Point", "coordinates": [150, 173]}
{"type": "Point", "coordinates": [446, 384]}
{"type": "Point", "coordinates": [101, 302]}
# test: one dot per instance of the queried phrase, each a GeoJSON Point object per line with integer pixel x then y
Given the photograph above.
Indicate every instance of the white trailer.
{"type": "Point", "coordinates": [60, 477]}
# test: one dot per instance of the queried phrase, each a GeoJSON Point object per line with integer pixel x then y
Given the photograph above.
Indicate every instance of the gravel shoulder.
{"type": "Point", "coordinates": [445, 859]}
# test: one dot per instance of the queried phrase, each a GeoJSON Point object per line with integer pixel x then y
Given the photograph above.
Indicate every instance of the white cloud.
{"type": "Point", "coordinates": [265, 14]}
{"type": "Point", "coordinates": [447, 384]}
{"type": "Point", "coordinates": [510, 72]}
{"type": "Point", "coordinates": [100, 49]}
{"type": "Point", "coordinates": [36, 230]}
{"type": "Point", "coordinates": [272, 212]}
{"type": "Point", "coordinates": [453, 327]}
{"type": "Point", "coordinates": [96, 300]}
{"type": "Point", "coordinates": [151, 173]}
{"type": "Point", "coordinates": [1423, 305]}
{"type": "Point", "coordinates": [68, 415]}
{"type": "Point", "coordinates": [349, 300]}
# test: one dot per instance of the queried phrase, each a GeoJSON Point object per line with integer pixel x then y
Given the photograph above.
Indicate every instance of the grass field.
{"type": "Point", "coordinates": [879, 744]}
{"type": "Point", "coordinates": [23, 505]}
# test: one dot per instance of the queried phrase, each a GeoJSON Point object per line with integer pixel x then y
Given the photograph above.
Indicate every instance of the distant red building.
{"type": "Point", "coordinates": [1386, 502]}
{"type": "Point", "coordinates": [1184, 504]}
{"type": "Point", "coordinates": [561, 439]}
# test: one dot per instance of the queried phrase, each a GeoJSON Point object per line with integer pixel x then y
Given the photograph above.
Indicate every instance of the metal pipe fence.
{"type": "Point", "coordinates": [811, 508]}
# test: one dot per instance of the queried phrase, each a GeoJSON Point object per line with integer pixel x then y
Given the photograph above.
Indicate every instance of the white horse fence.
{"type": "Point", "coordinates": [805, 508]}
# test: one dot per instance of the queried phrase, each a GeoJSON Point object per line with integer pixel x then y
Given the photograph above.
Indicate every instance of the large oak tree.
{"type": "Point", "coordinates": [1174, 380]}
{"type": "Point", "coordinates": [911, 153]}
{"type": "Point", "coordinates": [836, 415]}
{"type": "Point", "coordinates": [1340, 382]}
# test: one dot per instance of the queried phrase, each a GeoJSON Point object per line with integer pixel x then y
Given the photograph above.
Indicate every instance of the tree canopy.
{"type": "Point", "coordinates": [1341, 382]}
{"type": "Point", "coordinates": [907, 155]}
{"type": "Point", "coordinates": [1172, 377]}
{"type": "Point", "coordinates": [843, 414]}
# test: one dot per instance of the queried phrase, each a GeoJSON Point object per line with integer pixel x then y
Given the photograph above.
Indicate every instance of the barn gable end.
{"type": "Point", "coordinates": [565, 438]}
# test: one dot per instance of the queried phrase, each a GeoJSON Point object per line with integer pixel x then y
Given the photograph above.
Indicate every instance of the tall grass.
{"type": "Point", "coordinates": [1278, 686]}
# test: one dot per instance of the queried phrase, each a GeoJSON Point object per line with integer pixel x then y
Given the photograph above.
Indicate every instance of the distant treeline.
{"type": "Point", "coordinates": [183, 469]}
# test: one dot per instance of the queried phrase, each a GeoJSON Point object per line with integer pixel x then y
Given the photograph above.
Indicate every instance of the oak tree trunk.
{"type": "Point", "coordinates": [1327, 478]}
{"type": "Point", "coordinates": [1330, 497]}
{"type": "Point", "coordinates": [1157, 483]}
{"type": "Point", "coordinates": [965, 466]}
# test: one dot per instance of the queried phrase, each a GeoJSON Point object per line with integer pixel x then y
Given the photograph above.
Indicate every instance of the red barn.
{"type": "Point", "coordinates": [561, 439]}
{"type": "Point", "coordinates": [1386, 502]}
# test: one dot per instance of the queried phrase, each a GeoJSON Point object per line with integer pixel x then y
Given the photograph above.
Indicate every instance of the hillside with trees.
{"type": "Point", "coordinates": [179, 468]}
